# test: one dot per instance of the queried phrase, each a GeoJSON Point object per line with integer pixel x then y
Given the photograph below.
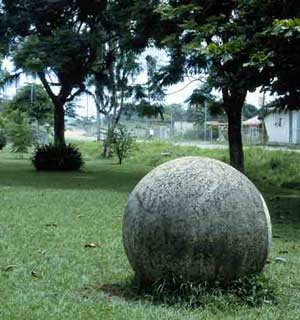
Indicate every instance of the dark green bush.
{"type": "Point", "coordinates": [56, 158]}
{"type": "Point", "coordinates": [3, 140]}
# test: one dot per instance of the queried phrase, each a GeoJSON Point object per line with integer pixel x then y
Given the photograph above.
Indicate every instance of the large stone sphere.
{"type": "Point", "coordinates": [196, 219]}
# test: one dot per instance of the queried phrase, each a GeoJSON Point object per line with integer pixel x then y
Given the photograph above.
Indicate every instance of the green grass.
{"type": "Point", "coordinates": [46, 219]}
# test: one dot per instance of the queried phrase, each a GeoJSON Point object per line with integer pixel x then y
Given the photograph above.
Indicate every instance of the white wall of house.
{"type": "Point", "coordinates": [296, 127]}
{"type": "Point", "coordinates": [283, 127]}
{"type": "Point", "coordinates": [277, 126]}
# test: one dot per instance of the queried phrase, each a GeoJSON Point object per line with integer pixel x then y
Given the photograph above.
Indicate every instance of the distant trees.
{"type": "Point", "coordinates": [33, 101]}
{"type": "Point", "coordinates": [175, 112]}
{"type": "Point", "coordinates": [18, 130]}
{"type": "Point", "coordinates": [30, 106]}
{"type": "Point", "coordinates": [249, 111]}
{"type": "Point", "coordinates": [114, 82]}
{"type": "Point", "coordinates": [150, 95]}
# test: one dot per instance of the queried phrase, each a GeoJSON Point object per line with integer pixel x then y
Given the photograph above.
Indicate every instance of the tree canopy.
{"type": "Point", "coordinates": [226, 40]}
{"type": "Point", "coordinates": [62, 41]}
{"type": "Point", "coordinates": [279, 58]}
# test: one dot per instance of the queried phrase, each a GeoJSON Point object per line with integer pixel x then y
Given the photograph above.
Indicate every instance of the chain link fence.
{"type": "Point", "coordinates": [187, 131]}
{"type": "Point", "coordinates": [210, 132]}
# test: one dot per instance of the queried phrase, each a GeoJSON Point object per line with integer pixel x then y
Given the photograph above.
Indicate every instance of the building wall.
{"type": "Point", "coordinates": [296, 127]}
{"type": "Point", "coordinates": [279, 129]}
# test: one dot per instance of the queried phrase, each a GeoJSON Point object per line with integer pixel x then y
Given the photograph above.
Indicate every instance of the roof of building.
{"type": "Point", "coordinates": [252, 122]}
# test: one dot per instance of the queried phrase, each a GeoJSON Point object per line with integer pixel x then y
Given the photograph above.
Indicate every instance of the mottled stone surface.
{"type": "Point", "coordinates": [198, 219]}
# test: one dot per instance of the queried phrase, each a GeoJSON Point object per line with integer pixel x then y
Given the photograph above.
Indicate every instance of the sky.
{"type": "Point", "coordinates": [175, 94]}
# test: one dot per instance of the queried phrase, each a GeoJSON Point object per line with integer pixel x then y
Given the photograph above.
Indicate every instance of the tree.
{"type": "Point", "coordinates": [222, 39]}
{"type": "Point", "coordinates": [114, 85]}
{"type": "Point", "coordinates": [249, 111]}
{"type": "Point", "coordinates": [117, 92]}
{"type": "Point", "coordinates": [19, 131]}
{"type": "Point", "coordinates": [200, 103]}
{"type": "Point", "coordinates": [217, 38]}
{"type": "Point", "coordinates": [117, 66]}
{"type": "Point", "coordinates": [175, 112]}
{"type": "Point", "coordinates": [34, 101]}
{"type": "Point", "coordinates": [60, 42]}
{"type": "Point", "coordinates": [279, 55]}
{"type": "Point", "coordinates": [122, 142]}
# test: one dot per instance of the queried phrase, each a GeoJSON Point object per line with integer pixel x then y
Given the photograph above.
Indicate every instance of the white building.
{"type": "Point", "coordinates": [283, 127]}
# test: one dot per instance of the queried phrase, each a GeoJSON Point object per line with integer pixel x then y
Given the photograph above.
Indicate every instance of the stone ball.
{"type": "Point", "coordinates": [196, 219]}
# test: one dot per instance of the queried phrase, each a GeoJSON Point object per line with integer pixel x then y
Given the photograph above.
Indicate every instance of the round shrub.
{"type": "Point", "coordinates": [3, 140]}
{"type": "Point", "coordinates": [57, 158]}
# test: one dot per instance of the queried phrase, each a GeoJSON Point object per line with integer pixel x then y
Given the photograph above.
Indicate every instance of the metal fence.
{"type": "Point", "coordinates": [178, 131]}
{"type": "Point", "coordinates": [187, 131]}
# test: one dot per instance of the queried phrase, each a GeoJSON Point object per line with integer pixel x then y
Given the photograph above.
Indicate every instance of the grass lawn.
{"type": "Point", "coordinates": [47, 219]}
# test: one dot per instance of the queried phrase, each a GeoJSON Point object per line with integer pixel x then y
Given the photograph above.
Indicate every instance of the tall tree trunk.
{"type": "Point", "coordinates": [107, 145]}
{"type": "Point", "coordinates": [235, 139]}
{"type": "Point", "coordinates": [59, 125]}
{"type": "Point", "coordinates": [116, 114]}
{"type": "Point", "coordinates": [98, 125]}
{"type": "Point", "coordinates": [59, 111]}
{"type": "Point", "coordinates": [233, 105]}
{"type": "Point", "coordinates": [107, 153]}
{"type": "Point", "coordinates": [111, 130]}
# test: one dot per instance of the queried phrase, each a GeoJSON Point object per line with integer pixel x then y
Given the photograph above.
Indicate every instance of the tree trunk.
{"type": "Point", "coordinates": [98, 125]}
{"type": "Point", "coordinates": [107, 148]}
{"type": "Point", "coordinates": [233, 104]}
{"type": "Point", "coordinates": [235, 139]}
{"type": "Point", "coordinates": [59, 125]}
{"type": "Point", "coordinates": [107, 142]}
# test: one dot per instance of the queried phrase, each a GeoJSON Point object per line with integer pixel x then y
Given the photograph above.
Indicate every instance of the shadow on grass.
{"type": "Point", "coordinates": [284, 207]}
{"type": "Point", "coordinates": [284, 204]}
{"type": "Point", "coordinates": [254, 291]}
{"type": "Point", "coordinates": [96, 175]}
